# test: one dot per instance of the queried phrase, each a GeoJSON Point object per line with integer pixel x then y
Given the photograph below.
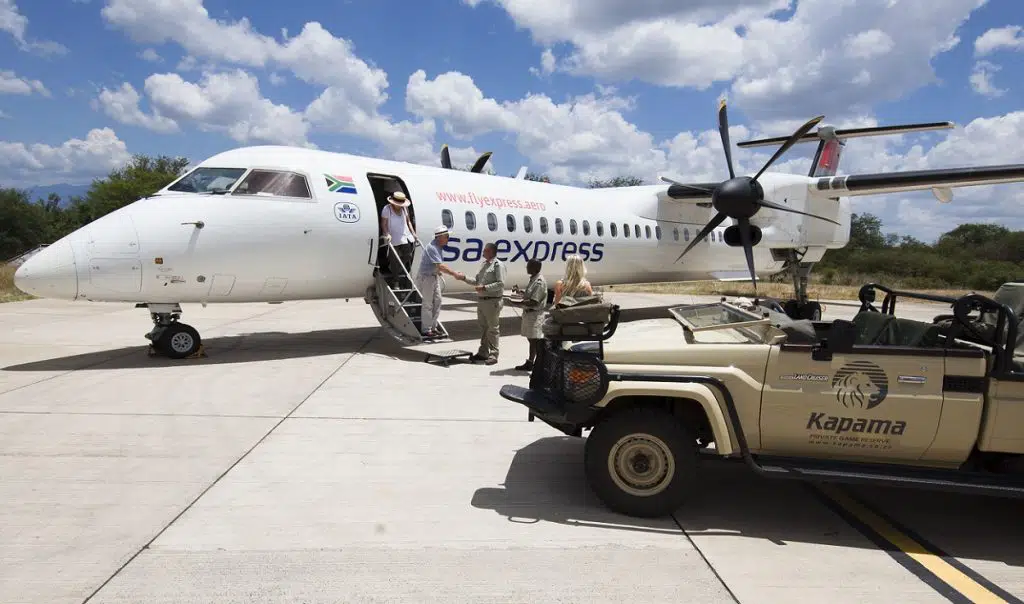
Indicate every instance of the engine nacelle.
{"type": "Point", "coordinates": [732, 235]}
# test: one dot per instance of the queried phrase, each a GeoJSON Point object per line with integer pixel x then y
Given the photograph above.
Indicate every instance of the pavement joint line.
{"type": "Point", "coordinates": [705, 559]}
{"type": "Point", "coordinates": [293, 416]}
{"type": "Point", "coordinates": [222, 475]}
{"type": "Point", "coordinates": [936, 568]}
{"type": "Point", "coordinates": [121, 356]}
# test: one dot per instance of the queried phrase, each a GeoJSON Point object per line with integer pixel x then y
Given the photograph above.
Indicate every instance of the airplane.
{"type": "Point", "coordinates": [276, 223]}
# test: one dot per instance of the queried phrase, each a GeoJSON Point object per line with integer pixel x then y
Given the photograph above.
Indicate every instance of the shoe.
{"type": "Point", "coordinates": [491, 361]}
{"type": "Point", "coordinates": [477, 357]}
{"type": "Point", "coordinates": [527, 366]}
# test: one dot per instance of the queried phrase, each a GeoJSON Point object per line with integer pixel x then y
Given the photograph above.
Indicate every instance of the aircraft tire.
{"type": "Point", "coordinates": [637, 450]}
{"type": "Point", "coordinates": [179, 341]}
{"type": "Point", "coordinates": [812, 311]}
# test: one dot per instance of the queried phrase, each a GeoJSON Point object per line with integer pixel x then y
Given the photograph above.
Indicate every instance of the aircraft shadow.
{"type": "Point", "coordinates": [545, 483]}
{"type": "Point", "coordinates": [269, 345]}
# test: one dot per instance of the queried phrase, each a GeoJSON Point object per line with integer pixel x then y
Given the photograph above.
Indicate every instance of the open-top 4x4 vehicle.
{"type": "Point", "coordinates": [877, 399]}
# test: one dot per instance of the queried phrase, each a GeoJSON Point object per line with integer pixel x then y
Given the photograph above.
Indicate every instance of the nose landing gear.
{"type": "Point", "coordinates": [171, 338]}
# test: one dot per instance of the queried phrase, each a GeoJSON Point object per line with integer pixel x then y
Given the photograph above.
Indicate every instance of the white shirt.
{"type": "Point", "coordinates": [398, 225]}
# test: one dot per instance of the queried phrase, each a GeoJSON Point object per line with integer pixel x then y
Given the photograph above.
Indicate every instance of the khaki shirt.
{"type": "Point", "coordinates": [492, 276]}
{"type": "Point", "coordinates": [537, 293]}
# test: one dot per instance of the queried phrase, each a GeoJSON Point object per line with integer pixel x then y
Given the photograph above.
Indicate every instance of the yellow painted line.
{"type": "Point", "coordinates": [951, 575]}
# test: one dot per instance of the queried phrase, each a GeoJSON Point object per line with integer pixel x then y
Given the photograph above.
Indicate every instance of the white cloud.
{"type": "Point", "coordinates": [123, 105]}
{"type": "Point", "coordinates": [10, 83]}
{"type": "Point", "coordinates": [150, 55]}
{"type": "Point", "coordinates": [229, 102]}
{"type": "Point", "coordinates": [16, 24]}
{"type": "Point", "coordinates": [981, 79]}
{"type": "Point", "coordinates": [1010, 37]}
{"type": "Point", "coordinates": [824, 57]}
{"type": "Point", "coordinates": [74, 161]}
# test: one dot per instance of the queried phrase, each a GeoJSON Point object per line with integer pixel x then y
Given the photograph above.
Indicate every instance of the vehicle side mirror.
{"type": "Point", "coordinates": [841, 337]}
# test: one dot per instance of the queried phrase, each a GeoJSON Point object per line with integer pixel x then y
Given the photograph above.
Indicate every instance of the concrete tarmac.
{"type": "Point", "coordinates": [308, 458]}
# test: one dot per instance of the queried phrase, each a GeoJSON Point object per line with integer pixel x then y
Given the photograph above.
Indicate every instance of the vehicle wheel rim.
{"type": "Point", "coordinates": [181, 342]}
{"type": "Point", "coordinates": [641, 465]}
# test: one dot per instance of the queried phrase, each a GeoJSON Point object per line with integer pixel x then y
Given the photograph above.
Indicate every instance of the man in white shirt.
{"type": "Point", "coordinates": [397, 228]}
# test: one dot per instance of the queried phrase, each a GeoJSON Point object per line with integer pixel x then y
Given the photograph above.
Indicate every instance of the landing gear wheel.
{"type": "Point", "coordinates": [812, 311]}
{"type": "Point", "coordinates": [179, 341]}
{"type": "Point", "coordinates": [641, 462]}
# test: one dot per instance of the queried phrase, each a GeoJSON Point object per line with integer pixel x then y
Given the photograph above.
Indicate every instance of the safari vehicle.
{"type": "Point", "coordinates": [876, 399]}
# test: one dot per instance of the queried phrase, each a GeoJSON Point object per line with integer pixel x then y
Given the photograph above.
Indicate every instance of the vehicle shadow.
{"type": "Point", "coordinates": [271, 345]}
{"type": "Point", "coordinates": [545, 482]}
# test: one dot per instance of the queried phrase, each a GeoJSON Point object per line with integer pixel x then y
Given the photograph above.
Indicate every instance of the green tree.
{"type": "Point", "coordinates": [866, 232]}
{"type": "Point", "coordinates": [537, 177]}
{"type": "Point", "coordinates": [618, 181]}
{"type": "Point", "coordinates": [23, 224]}
{"type": "Point", "coordinates": [141, 177]}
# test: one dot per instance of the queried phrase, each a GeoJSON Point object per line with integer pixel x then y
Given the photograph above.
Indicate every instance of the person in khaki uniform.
{"type": "Point", "coordinates": [533, 302]}
{"type": "Point", "coordinates": [490, 286]}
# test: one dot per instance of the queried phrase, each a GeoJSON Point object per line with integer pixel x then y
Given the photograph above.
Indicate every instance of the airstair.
{"type": "Point", "coordinates": [398, 309]}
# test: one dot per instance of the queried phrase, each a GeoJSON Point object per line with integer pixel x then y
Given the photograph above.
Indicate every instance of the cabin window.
{"type": "Point", "coordinates": [586, 227]}
{"type": "Point", "coordinates": [675, 233]}
{"type": "Point", "coordinates": [510, 223]}
{"type": "Point", "coordinates": [492, 221]}
{"type": "Point", "coordinates": [636, 230]}
{"type": "Point", "coordinates": [558, 225]}
{"type": "Point", "coordinates": [208, 180]}
{"type": "Point", "coordinates": [615, 229]}
{"type": "Point", "coordinates": [470, 221]}
{"type": "Point", "coordinates": [686, 234]}
{"type": "Point", "coordinates": [527, 224]}
{"type": "Point", "coordinates": [572, 226]}
{"type": "Point", "coordinates": [600, 229]}
{"type": "Point", "coordinates": [447, 219]}
{"type": "Point", "coordinates": [625, 231]}
{"type": "Point", "coordinates": [657, 232]}
{"type": "Point", "coordinates": [543, 224]}
{"type": "Point", "coordinates": [274, 183]}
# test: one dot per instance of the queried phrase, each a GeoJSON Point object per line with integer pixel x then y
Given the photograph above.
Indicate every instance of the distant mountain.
{"type": "Point", "coordinates": [65, 191]}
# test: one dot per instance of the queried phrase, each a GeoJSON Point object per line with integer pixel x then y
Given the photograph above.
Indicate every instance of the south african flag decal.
{"type": "Point", "coordinates": [340, 184]}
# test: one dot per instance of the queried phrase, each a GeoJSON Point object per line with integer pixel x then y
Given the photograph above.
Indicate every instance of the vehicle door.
{"type": "Point", "coordinates": [880, 398]}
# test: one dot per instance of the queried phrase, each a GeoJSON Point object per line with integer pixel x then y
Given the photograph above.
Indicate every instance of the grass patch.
{"type": "Point", "coordinates": [9, 293]}
{"type": "Point", "coordinates": [816, 291]}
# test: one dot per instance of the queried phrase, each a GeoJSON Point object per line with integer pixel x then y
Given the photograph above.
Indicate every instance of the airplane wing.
{"type": "Point", "coordinates": [918, 180]}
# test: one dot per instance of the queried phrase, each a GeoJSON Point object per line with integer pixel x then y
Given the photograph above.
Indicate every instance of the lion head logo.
{"type": "Point", "coordinates": [860, 384]}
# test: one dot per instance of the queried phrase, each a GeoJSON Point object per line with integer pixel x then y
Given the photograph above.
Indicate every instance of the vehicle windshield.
{"type": "Point", "coordinates": [208, 180]}
{"type": "Point", "coordinates": [721, 323]}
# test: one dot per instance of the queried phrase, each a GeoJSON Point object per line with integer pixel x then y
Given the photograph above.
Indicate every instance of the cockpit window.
{"type": "Point", "coordinates": [208, 180]}
{"type": "Point", "coordinates": [272, 182]}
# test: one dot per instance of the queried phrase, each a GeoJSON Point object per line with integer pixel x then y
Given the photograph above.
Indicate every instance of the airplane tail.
{"type": "Point", "coordinates": [831, 142]}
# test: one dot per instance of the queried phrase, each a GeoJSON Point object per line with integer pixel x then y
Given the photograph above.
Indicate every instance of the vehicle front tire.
{"type": "Point", "coordinates": [641, 462]}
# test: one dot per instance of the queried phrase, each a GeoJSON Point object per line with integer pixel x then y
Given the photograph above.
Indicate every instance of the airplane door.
{"type": "Point", "coordinates": [877, 401]}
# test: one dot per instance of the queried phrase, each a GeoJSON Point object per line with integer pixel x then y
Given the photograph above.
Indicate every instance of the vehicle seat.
{"type": "Point", "coordinates": [871, 326]}
{"type": "Point", "coordinates": [907, 332]}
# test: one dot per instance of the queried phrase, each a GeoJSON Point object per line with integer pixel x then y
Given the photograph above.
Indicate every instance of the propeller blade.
{"type": "Point", "coordinates": [446, 158]}
{"type": "Point", "coordinates": [723, 129]}
{"type": "Point", "coordinates": [748, 249]}
{"type": "Point", "coordinates": [778, 206]}
{"type": "Point", "coordinates": [686, 186]}
{"type": "Point", "coordinates": [792, 140]}
{"type": "Point", "coordinates": [481, 162]}
{"type": "Point", "coordinates": [717, 220]}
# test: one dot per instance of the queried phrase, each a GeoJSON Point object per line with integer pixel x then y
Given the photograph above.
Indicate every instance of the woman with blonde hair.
{"type": "Point", "coordinates": [575, 282]}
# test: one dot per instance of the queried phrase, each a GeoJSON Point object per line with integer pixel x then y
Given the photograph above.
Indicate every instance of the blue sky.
{"type": "Point", "coordinates": [578, 90]}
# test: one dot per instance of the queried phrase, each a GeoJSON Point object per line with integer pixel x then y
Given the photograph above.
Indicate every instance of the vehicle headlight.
{"type": "Point", "coordinates": [583, 378]}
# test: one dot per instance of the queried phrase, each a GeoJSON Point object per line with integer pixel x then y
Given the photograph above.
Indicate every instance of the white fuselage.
{"type": "Point", "coordinates": [269, 248]}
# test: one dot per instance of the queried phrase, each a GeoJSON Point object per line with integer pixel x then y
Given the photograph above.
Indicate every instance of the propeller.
{"type": "Point", "coordinates": [741, 197]}
{"type": "Point", "coordinates": [446, 160]}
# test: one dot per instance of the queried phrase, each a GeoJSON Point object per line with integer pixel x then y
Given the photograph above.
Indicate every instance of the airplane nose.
{"type": "Point", "coordinates": [50, 273]}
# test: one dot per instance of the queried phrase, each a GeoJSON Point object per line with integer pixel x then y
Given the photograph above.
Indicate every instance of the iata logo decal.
{"type": "Point", "coordinates": [860, 385]}
{"type": "Point", "coordinates": [346, 211]}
